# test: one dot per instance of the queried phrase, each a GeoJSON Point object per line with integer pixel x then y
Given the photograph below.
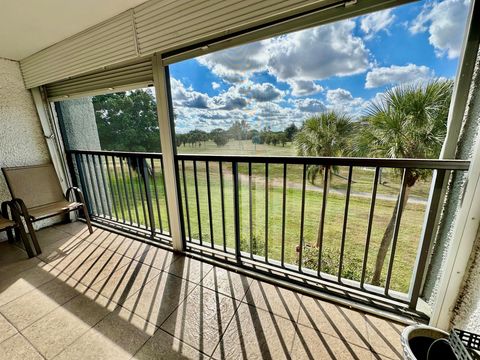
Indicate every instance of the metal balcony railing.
{"type": "Point", "coordinates": [263, 214]}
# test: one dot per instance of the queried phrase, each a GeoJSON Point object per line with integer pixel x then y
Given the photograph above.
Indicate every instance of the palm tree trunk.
{"type": "Point", "coordinates": [387, 239]}
{"type": "Point", "coordinates": [321, 226]}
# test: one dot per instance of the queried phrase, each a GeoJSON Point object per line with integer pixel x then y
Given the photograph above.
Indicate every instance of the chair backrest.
{"type": "Point", "coordinates": [36, 185]}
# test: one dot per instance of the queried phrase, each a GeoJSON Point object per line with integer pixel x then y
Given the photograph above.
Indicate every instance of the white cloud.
{"type": "Point", "coordinates": [310, 105]}
{"type": "Point", "coordinates": [341, 100]}
{"type": "Point", "coordinates": [304, 87]}
{"type": "Point", "coordinates": [375, 22]}
{"type": "Point", "coordinates": [445, 22]}
{"type": "Point", "coordinates": [299, 58]}
{"type": "Point", "coordinates": [318, 53]}
{"type": "Point", "coordinates": [260, 92]}
{"type": "Point", "coordinates": [394, 75]}
{"type": "Point", "coordinates": [238, 63]}
{"type": "Point", "coordinates": [187, 97]}
{"type": "Point", "coordinates": [215, 85]}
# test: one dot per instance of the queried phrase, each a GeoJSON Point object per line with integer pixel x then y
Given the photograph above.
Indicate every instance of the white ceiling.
{"type": "Point", "coordinates": [27, 26]}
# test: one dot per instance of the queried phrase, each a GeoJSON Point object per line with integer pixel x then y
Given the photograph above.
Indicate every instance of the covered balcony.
{"type": "Point", "coordinates": [201, 249]}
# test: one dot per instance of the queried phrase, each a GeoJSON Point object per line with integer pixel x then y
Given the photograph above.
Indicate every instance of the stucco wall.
{"type": "Point", "coordinates": [467, 313]}
{"type": "Point", "coordinates": [21, 137]}
{"type": "Point", "coordinates": [467, 310]}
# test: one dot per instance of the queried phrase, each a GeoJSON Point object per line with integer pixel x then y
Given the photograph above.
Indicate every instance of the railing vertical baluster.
{"type": "Point", "coordinates": [99, 188]}
{"type": "Point", "coordinates": [250, 202]}
{"type": "Point", "coordinates": [90, 184]}
{"type": "Point", "coordinates": [209, 199]}
{"type": "Point", "coordinates": [369, 226]}
{"type": "Point", "coordinates": [302, 217]}
{"type": "Point", "coordinates": [396, 229]}
{"type": "Point", "coordinates": [345, 221]}
{"type": "Point", "coordinates": [152, 164]}
{"type": "Point", "coordinates": [105, 190]}
{"type": "Point", "coordinates": [187, 207]}
{"type": "Point", "coordinates": [142, 190]}
{"type": "Point", "coordinates": [148, 195]}
{"type": "Point", "coordinates": [322, 218]}
{"type": "Point", "coordinates": [266, 211]}
{"type": "Point", "coordinates": [236, 208]}
{"type": "Point", "coordinates": [165, 193]}
{"type": "Point", "coordinates": [125, 188]}
{"type": "Point", "coordinates": [197, 197]}
{"type": "Point", "coordinates": [132, 187]}
{"type": "Point", "coordinates": [284, 203]}
{"type": "Point", "coordinates": [222, 195]}
{"type": "Point", "coordinates": [109, 180]}
{"type": "Point", "coordinates": [120, 200]}
{"type": "Point", "coordinates": [81, 175]}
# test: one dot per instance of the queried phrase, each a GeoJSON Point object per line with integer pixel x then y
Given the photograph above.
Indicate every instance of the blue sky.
{"type": "Point", "coordinates": [340, 66]}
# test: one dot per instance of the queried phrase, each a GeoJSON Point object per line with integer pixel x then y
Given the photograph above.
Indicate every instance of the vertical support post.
{"type": "Point", "coordinates": [148, 195]}
{"type": "Point", "coordinates": [165, 122]}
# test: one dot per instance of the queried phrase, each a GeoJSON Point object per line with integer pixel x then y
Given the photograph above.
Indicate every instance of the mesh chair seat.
{"type": "Point", "coordinates": [5, 223]}
{"type": "Point", "coordinates": [52, 209]}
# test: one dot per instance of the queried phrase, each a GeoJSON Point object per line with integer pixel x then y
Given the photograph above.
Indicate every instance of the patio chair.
{"type": "Point", "coordinates": [37, 195]}
{"type": "Point", "coordinates": [7, 224]}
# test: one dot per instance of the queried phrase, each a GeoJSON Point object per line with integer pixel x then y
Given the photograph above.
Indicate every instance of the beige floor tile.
{"type": "Point", "coordinates": [254, 333]}
{"type": "Point", "coordinates": [384, 337]}
{"type": "Point", "coordinates": [10, 254]}
{"type": "Point", "coordinates": [76, 228]}
{"type": "Point", "coordinates": [157, 257]}
{"type": "Point", "coordinates": [126, 281]}
{"type": "Point", "coordinates": [70, 261]}
{"type": "Point", "coordinates": [10, 269]}
{"type": "Point", "coordinates": [50, 235]}
{"type": "Point", "coordinates": [121, 245]}
{"type": "Point", "coordinates": [12, 287]}
{"type": "Point", "coordinates": [58, 329]}
{"type": "Point", "coordinates": [164, 346]}
{"type": "Point", "coordinates": [118, 336]}
{"type": "Point", "coordinates": [7, 330]}
{"type": "Point", "coordinates": [17, 348]}
{"type": "Point", "coordinates": [94, 270]}
{"type": "Point", "coordinates": [33, 305]}
{"type": "Point", "coordinates": [275, 299]}
{"type": "Point", "coordinates": [334, 320]}
{"type": "Point", "coordinates": [159, 298]}
{"type": "Point", "coordinates": [201, 319]}
{"type": "Point", "coordinates": [312, 344]}
{"type": "Point", "coordinates": [227, 282]}
{"type": "Point", "coordinates": [189, 269]}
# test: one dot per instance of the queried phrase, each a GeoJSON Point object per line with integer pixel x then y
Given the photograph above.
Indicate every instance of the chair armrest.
{"type": "Point", "coordinates": [17, 205]}
{"type": "Point", "coordinates": [4, 209]}
{"type": "Point", "coordinates": [77, 192]}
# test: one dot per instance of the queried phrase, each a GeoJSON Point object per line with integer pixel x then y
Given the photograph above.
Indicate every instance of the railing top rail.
{"type": "Point", "coordinates": [335, 161]}
{"type": "Point", "coordinates": [438, 164]}
{"type": "Point", "coordinates": [154, 155]}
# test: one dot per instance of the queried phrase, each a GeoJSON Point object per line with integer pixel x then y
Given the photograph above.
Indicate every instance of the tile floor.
{"type": "Point", "coordinates": [105, 296]}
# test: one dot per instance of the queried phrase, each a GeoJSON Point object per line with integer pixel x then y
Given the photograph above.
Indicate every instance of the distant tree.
{"type": "Point", "coordinates": [256, 139]}
{"type": "Point", "coordinates": [219, 137]}
{"type": "Point", "coordinates": [127, 121]}
{"type": "Point", "coordinates": [252, 133]}
{"type": "Point", "coordinates": [239, 130]}
{"type": "Point", "coordinates": [290, 131]}
{"type": "Point", "coordinates": [282, 138]}
{"type": "Point", "coordinates": [327, 134]}
{"type": "Point", "coordinates": [408, 121]}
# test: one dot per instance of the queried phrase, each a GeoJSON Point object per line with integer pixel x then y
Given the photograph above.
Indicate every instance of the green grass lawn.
{"type": "Point", "coordinates": [356, 226]}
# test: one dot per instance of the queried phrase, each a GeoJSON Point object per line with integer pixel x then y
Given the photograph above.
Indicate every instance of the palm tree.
{"type": "Point", "coordinates": [326, 134]}
{"type": "Point", "coordinates": [408, 121]}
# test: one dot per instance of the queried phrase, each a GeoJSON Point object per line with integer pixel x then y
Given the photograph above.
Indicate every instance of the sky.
{"type": "Point", "coordinates": [341, 66]}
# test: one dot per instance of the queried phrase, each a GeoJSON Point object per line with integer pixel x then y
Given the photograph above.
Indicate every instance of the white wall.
{"type": "Point", "coordinates": [21, 137]}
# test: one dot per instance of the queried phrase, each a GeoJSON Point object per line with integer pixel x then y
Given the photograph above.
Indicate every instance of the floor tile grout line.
{"type": "Point", "coordinates": [240, 302]}
{"type": "Point", "coordinates": [19, 332]}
